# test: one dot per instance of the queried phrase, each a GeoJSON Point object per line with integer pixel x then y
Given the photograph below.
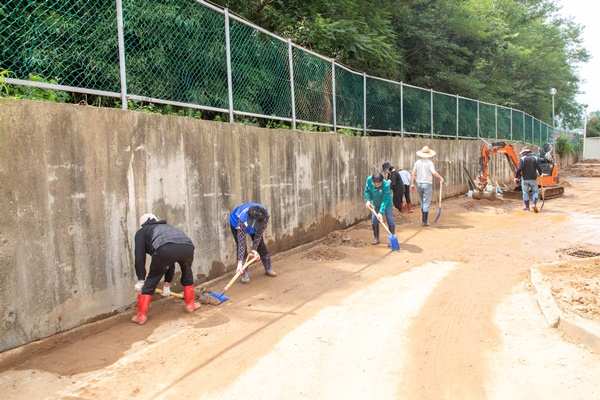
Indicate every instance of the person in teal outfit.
{"type": "Point", "coordinates": [378, 194]}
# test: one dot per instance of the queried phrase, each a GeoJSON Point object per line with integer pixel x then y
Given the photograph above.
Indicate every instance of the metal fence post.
{"type": "Point", "coordinates": [431, 111]}
{"type": "Point", "coordinates": [121, 39]}
{"type": "Point", "coordinates": [229, 79]}
{"type": "Point", "coordinates": [457, 116]}
{"type": "Point", "coordinates": [496, 117]}
{"type": "Point", "coordinates": [364, 104]}
{"type": "Point", "coordinates": [511, 124]}
{"type": "Point", "coordinates": [333, 95]}
{"type": "Point", "coordinates": [401, 109]}
{"type": "Point", "coordinates": [478, 122]}
{"type": "Point", "coordinates": [292, 90]}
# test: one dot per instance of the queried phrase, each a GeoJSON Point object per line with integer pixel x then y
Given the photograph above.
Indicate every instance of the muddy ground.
{"type": "Point", "coordinates": [452, 315]}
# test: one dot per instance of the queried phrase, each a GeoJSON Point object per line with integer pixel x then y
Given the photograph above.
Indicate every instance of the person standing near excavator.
{"type": "Point", "coordinates": [528, 170]}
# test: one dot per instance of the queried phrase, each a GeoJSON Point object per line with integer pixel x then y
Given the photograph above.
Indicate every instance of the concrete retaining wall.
{"type": "Point", "coordinates": [75, 179]}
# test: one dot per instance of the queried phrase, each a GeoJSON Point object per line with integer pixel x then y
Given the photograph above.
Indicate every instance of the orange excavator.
{"type": "Point", "coordinates": [548, 181]}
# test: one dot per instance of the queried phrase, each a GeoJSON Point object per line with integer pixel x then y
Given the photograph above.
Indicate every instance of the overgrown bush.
{"type": "Point", "coordinates": [564, 146]}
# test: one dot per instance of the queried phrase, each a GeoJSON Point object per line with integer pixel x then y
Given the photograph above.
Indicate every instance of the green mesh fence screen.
{"type": "Point", "coordinates": [349, 98]}
{"type": "Point", "coordinates": [72, 43]}
{"type": "Point", "coordinates": [528, 129]}
{"type": "Point", "coordinates": [260, 70]}
{"type": "Point", "coordinates": [487, 120]}
{"type": "Point", "coordinates": [467, 118]}
{"type": "Point", "coordinates": [537, 133]}
{"type": "Point", "coordinates": [383, 105]}
{"type": "Point", "coordinates": [504, 128]}
{"type": "Point", "coordinates": [175, 50]}
{"type": "Point", "coordinates": [312, 87]}
{"type": "Point", "coordinates": [546, 133]}
{"type": "Point", "coordinates": [417, 110]}
{"type": "Point", "coordinates": [444, 114]}
{"type": "Point", "coordinates": [518, 134]}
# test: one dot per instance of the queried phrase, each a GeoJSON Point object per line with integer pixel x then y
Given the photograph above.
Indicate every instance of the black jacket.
{"type": "Point", "coordinates": [396, 183]}
{"type": "Point", "coordinates": [529, 167]}
{"type": "Point", "coordinates": [150, 237]}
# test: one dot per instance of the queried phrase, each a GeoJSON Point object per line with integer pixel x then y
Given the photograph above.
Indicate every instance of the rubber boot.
{"type": "Point", "coordinates": [142, 306]}
{"type": "Point", "coordinates": [526, 205]}
{"type": "Point", "coordinates": [266, 260]}
{"type": "Point", "coordinates": [409, 206]}
{"type": "Point", "coordinates": [188, 296]}
{"type": "Point", "coordinates": [375, 234]}
{"type": "Point", "coordinates": [401, 207]}
{"type": "Point", "coordinates": [425, 217]}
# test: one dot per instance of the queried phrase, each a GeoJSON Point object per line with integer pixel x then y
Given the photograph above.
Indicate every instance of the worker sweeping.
{"type": "Point", "coordinates": [378, 194]}
{"type": "Point", "coordinates": [251, 219]}
{"type": "Point", "coordinates": [167, 245]}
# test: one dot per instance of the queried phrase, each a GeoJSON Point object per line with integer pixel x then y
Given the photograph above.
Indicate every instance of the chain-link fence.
{"type": "Point", "coordinates": [190, 53]}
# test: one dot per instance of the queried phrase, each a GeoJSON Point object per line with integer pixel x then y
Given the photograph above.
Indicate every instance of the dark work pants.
{"type": "Point", "coordinates": [397, 198]}
{"type": "Point", "coordinates": [406, 194]}
{"type": "Point", "coordinates": [165, 257]}
{"type": "Point", "coordinates": [261, 249]}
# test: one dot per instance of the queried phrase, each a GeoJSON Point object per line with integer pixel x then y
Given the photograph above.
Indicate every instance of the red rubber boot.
{"type": "Point", "coordinates": [143, 305]}
{"type": "Point", "coordinates": [409, 206]}
{"type": "Point", "coordinates": [188, 296]}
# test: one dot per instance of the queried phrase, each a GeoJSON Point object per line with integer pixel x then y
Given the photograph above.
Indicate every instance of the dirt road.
{"type": "Point", "coordinates": [452, 315]}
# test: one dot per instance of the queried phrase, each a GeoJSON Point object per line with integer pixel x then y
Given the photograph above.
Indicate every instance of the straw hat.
{"type": "Point", "coordinates": [426, 152]}
{"type": "Point", "coordinates": [525, 150]}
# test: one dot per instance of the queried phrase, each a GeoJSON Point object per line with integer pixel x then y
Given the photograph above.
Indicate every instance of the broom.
{"type": "Point", "coordinates": [392, 239]}
{"type": "Point", "coordinates": [221, 296]}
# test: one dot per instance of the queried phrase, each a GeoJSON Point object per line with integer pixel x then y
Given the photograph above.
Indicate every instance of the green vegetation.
{"type": "Point", "coordinates": [502, 52]}
{"type": "Point", "coordinates": [564, 146]}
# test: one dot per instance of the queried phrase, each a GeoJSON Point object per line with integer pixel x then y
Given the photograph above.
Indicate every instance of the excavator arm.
{"type": "Point", "coordinates": [484, 158]}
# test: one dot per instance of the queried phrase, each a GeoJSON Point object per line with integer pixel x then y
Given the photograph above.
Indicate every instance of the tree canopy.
{"type": "Point", "coordinates": [500, 51]}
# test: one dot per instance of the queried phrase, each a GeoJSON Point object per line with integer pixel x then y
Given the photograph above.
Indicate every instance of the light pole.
{"type": "Point", "coordinates": [553, 92]}
{"type": "Point", "coordinates": [584, 129]}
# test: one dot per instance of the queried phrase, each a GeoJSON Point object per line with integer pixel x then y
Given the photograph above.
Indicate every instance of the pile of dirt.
{"type": "Point", "coordinates": [339, 238]}
{"type": "Point", "coordinates": [323, 252]}
{"type": "Point", "coordinates": [576, 286]}
{"type": "Point", "coordinates": [584, 170]}
{"type": "Point", "coordinates": [496, 206]}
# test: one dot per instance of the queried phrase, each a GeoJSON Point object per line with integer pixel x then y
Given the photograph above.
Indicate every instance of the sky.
{"type": "Point", "coordinates": [586, 12]}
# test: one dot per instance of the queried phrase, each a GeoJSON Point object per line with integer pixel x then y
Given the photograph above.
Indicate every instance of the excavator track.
{"type": "Point", "coordinates": [550, 192]}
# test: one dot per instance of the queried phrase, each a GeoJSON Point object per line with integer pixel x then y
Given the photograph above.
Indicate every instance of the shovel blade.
{"type": "Point", "coordinates": [219, 296]}
{"type": "Point", "coordinates": [438, 216]}
{"type": "Point", "coordinates": [393, 240]}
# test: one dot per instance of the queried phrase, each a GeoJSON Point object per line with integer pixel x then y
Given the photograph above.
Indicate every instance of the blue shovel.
{"type": "Point", "coordinates": [221, 296]}
{"type": "Point", "coordinates": [439, 205]}
{"type": "Point", "coordinates": [392, 239]}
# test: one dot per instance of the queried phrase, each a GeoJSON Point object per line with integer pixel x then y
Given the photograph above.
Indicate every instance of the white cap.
{"type": "Point", "coordinates": [146, 217]}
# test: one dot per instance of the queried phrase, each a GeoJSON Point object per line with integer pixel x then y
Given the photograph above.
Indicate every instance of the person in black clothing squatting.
{"type": "Point", "coordinates": [167, 245]}
{"type": "Point", "coordinates": [251, 219]}
{"type": "Point", "coordinates": [528, 170]}
{"type": "Point", "coordinates": [396, 184]}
